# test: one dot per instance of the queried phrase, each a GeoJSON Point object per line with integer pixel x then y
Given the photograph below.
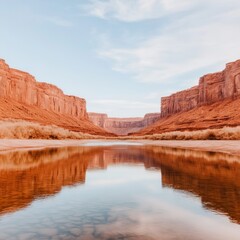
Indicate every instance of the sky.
{"type": "Point", "coordinates": [122, 56]}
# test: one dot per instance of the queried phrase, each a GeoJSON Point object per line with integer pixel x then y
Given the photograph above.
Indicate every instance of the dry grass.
{"type": "Point", "coordinates": [18, 129]}
{"type": "Point", "coordinates": [30, 130]}
{"type": "Point", "coordinates": [226, 133]}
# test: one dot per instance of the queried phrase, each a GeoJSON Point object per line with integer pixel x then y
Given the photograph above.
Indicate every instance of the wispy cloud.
{"type": "Point", "coordinates": [173, 54]}
{"type": "Point", "coordinates": [136, 10]}
{"type": "Point", "coordinates": [207, 37]}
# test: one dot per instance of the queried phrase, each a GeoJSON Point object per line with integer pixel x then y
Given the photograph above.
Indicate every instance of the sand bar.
{"type": "Point", "coordinates": [231, 147]}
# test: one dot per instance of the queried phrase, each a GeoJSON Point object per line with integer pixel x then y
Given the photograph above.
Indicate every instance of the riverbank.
{"type": "Point", "coordinates": [230, 147]}
{"type": "Point", "coordinates": [224, 146]}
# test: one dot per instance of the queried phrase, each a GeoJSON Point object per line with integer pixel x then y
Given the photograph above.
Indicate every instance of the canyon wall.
{"type": "Point", "coordinates": [123, 126]}
{"type": "Point", "coordinates": [22, 87]}
{"type": "Point", "coordinates": [211, 88]}
{"type": "Point", "coordinates": [98, 119]}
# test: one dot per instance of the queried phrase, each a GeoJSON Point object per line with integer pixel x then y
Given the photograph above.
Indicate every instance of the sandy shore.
{"type": "Point", "coordinates": [16, 144]}
{"type": "Point", "coordinates": [225, 146]}
{"type": "Point", "coordinates": [231, 147]}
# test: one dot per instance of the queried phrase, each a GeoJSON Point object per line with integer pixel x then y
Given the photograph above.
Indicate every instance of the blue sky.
{"type": "Point", "coordinates": [120, 55]}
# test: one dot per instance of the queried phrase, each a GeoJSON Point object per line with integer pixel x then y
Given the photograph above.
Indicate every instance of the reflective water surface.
{"type": "Point", "coordinates": [119, 192]}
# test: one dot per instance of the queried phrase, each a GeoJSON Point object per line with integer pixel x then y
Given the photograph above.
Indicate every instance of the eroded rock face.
{"type": "Point", "coordinates": [181, 101]}
{"type": "Point", "coordinates": [211, 88]}
{"type": "Point", "coordinates": [123, 126]}
{"type": "Point", "coordinates": [98, 119]}
{"type": "Point", "coordinates": [22, 87]}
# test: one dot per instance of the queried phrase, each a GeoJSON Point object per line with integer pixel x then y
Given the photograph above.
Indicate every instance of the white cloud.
{"type": "Point", "coordinates": [136, 10]}
{"type": "Point", "coordinates": [208, 37]}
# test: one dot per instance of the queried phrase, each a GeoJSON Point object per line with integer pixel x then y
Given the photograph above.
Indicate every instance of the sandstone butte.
{"type": "Point", "coordinates": [123, 126]}
{"type": "Point", "coordinates": [22, 97]}
{"type": "Point", "coordinates": [213, 103]}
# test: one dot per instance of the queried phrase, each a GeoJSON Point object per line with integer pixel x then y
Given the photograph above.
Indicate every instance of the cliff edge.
{"type": "Point", "coordinates": [212, 88]}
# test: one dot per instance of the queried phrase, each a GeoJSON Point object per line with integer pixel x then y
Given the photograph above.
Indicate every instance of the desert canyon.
{"type": "Point", "coordinates": [212, 104]}
{"type": "Point", "coordinates": [123, 126]}
{"type": "Point", "coordinates": [23, 98]}
{"type": "Point", "coordinates": [119, 120]}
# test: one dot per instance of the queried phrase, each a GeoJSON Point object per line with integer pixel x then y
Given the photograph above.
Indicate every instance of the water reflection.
{"type": "Point", "coordinates": [25, 176]}
{"type": "Point", "coordinates": [214, 177]}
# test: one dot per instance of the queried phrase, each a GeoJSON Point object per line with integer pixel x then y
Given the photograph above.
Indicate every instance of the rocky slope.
{"type": "Point", "coordinates": [123, 126]}
{"type": "Point", "coordinates": [22, 97]}
{"type": "Point", "coordinates": [214, 103]}
{"type": "Point", "coordinates": [215, 115]}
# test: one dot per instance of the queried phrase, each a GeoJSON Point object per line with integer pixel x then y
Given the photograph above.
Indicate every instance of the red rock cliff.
{"type": "Point", "coordinates": [123, 126]}
{"type": "Point", "coordinates": [22, 87]}
{"type": "Point", "coordinates": [98, 119]}
{"type": "Point", "coordinates": [23, 98]}
{"type": "Point", "coordinates": [211, 88]}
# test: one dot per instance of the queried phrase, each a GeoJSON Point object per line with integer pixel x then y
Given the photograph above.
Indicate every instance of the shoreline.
{"type": "Point", "coordinates": [223, 146]}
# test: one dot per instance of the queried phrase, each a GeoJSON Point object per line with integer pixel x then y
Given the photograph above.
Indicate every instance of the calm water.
{"type": "Point", "coordinates": [119, 192]}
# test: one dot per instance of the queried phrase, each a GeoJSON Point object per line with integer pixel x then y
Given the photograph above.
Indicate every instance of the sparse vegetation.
{"type": "Point", "coordinates": [226, 133]}
{"type": "Point", "coordinates": [17, 129]}
{"type": "Point", "coordinates": [30, 130]}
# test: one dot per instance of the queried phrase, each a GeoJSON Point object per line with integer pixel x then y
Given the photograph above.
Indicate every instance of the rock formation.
{"type": "Point", "coordinates": [22, 97]}
{"type": "Point", "coordinates": [214, 103]}
{"type": "Point", "coordinates": [123, 126]}
{"type": "Point", "coordinates": [23, 87]}
{"type": "Point", "coordinates": [213, 116]}
{"type": "Point", "coordinates": [211, 88]}
{"type": "Point", "coordinates": [98, 119]}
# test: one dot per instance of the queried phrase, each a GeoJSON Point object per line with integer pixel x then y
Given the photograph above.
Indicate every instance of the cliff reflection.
{"type": "Point", "coordinates": [26, 176]}
{"type": "Point", "coordinates": [214, 177]}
